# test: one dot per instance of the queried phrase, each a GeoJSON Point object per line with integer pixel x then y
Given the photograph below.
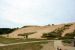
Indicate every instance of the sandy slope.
{"type": "Point", "coordinates": [40, 30]}
{"type": "Point", "coordinates": [71, 29]}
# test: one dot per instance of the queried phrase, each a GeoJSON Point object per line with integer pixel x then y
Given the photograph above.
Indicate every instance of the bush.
{"type": "Point", "coordinates": [51, 35]}
{"type": "Point", "coordinates": [67, 25]}
{"type": "Point", "coordinates": [6, 30]}
{"type": "Point", "coordinates": [69, 35]}
{"type": "Point", "coordinates": [67, 41]}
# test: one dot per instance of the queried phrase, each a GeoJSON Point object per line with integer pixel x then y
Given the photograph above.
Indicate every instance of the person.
{"type": "Point", "coordinates": [74, 41]}
{"type": "Point", "coordinates": [59, 48]}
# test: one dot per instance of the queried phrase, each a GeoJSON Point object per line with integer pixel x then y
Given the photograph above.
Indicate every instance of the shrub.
{"type": "Point", "coordinates": [6, 30]}
{"type": "Point", "coordinates": [67, 41]}
{"type": "Point", "coordinates": [25, 35]}
{"type": "Point", "coordinates": [51, 35]}
{"type": "Point", "coordinates": [67, 25]}
{"type": "Point", "coordinates": [69, 35]}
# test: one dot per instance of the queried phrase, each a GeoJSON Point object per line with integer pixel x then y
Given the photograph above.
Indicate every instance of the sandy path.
{"type": "Point", "coordinates": [70, 48]}
{"type": "Point", "coordinates": [58, 43]}
{"type": "Point", "coordinates": [23, 42]}
{"type": "Point", "coordinates": [48, 46]}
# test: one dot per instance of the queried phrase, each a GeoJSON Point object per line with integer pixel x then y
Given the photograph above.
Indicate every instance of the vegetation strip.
{"type": "Point", "coordinates": [25, 42]}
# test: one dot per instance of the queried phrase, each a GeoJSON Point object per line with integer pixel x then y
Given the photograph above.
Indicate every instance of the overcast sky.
{"type": "Point", "coordinates": [17, 13]}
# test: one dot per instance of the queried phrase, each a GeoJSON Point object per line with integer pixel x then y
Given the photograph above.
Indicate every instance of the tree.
{"type": "Point", "coordinates": [25, 35]}
{"type": "Point", "coordinates": [6, 30]}
{"type": "Point", "coordinates": [52, 24]}
{"type": "Point", "coordinates": [51, 35]}
{"type": "Point", "coordinates": [69, 35]}
{"type": "Point", "coordinates": [54, 34]}
{"type": "Point", "coordinates": [48, 25]}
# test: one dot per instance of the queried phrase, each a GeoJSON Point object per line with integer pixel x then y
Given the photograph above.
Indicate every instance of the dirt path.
{"type": "Point", "coordinates": [70, 48]}
{"type": "Point", "coordinates": [48, 46]}
{"type": "Point", "coordinates": [58, 43]}
{"type": "Point", "coordinates": [23, 42]}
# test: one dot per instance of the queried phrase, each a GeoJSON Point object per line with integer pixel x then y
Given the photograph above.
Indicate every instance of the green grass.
{"type": "Point", "coordinates": [28, 46]}
{"type": "Point", "coordinates": [22, 47]}
{"type": "Point", "coordinates": [15, 40]}
{"type": "Point", "coordinates": [68, 42]}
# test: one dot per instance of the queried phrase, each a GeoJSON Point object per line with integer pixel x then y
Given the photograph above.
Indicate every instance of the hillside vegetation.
{"type": "Point", "coordinates": [48, 31]}
{"type": "Point", "coordinates": [6, 30]}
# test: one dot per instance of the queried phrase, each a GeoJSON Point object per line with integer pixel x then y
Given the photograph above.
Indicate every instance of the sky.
{"type": "Point", "coordinates": [18, 13]}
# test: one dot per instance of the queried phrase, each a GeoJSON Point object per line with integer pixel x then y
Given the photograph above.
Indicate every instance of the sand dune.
{"type": "Point", "coordinates": [40, 30]}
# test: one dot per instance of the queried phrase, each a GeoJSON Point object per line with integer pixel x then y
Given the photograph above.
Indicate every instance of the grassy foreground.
{"type": "Point", "coordinates": [28, 46]}
{"type": "Point", "coordinates": [22, 47]}
{"type": "Point", "coordinates": [16, 40]}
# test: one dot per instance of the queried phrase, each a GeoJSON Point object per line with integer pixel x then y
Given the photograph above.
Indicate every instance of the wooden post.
{"type": "Point", "coordinates": [26, 36]}
{"type": "Point", "coordinates": [74, 41]}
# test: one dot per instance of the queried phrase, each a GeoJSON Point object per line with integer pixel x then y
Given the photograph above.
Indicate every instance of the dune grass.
{"type": "Point", "coordinates": [31, 46]}
{"type": "Point", "coordinates": [15, 40]}
{"type": "Point", "coordinates": [26, 46]}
